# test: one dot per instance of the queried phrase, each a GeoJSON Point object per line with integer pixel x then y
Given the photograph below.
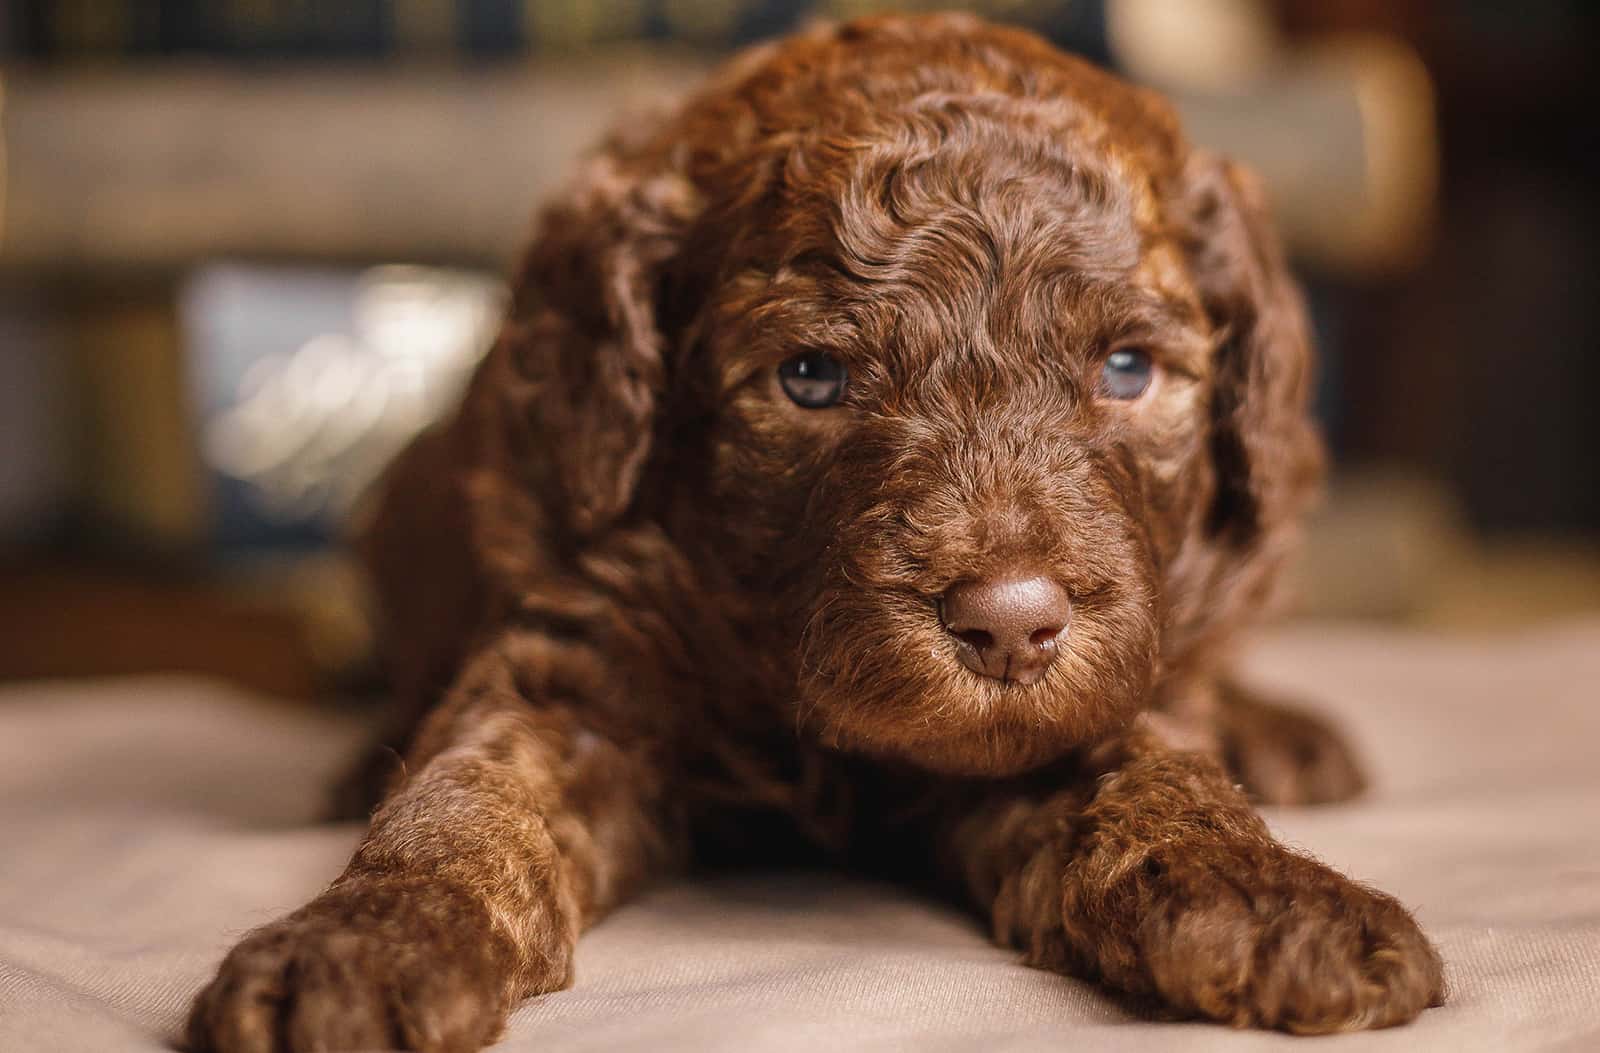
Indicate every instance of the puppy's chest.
{"type": "Point", "coordinates": [784, 801]}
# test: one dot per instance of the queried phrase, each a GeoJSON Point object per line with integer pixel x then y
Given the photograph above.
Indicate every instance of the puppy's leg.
{"type": "Point", "coordinates": [1158, 879]}
{"type": "Point", "coordinates": [519, 823]}
{"type": "Point", "coordinates": [1283, 754]}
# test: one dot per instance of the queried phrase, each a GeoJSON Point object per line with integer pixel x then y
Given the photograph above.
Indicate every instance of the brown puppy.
{"type": "Point", "coordinates": [888, 444]}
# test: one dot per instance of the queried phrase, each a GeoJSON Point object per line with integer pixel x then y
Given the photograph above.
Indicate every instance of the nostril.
{"type": "Point", "coordinates": [1046, 636]}
{"type": "Point", "coordinates": [976, 637]}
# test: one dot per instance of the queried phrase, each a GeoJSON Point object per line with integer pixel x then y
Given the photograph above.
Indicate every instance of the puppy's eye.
{"type": "Point", "coordinates": [1126, 374]}
{"type": "Point", "coordinates": [813, 380]}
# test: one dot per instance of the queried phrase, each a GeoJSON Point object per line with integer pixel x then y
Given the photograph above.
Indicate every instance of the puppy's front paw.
{"type": "Point", "coordinates": [368, 965]}
{"type": "Point", "coordinates": [1272, 939]}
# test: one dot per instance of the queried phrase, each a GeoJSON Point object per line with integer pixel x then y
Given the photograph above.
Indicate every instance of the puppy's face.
{"type": "Point", "coordinates": [960, 429]}
{"type": "Point", "coordinates": [984, 390]}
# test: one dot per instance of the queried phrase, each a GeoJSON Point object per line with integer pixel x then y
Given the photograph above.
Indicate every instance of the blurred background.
{"type": "Point", "coordinates": [248, 246]}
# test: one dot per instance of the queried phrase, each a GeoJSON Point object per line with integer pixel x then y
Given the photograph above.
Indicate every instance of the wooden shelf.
{"type": "Point", "coordinates": [164, 166]}
{"type": "Point", "coordinates": [292, 630]}
{"type": "Point", "coordinates": [167, 165]}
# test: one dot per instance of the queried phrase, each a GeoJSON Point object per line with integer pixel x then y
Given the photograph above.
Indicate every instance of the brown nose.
{"type": "Point", "coordinates": [1007, 628]}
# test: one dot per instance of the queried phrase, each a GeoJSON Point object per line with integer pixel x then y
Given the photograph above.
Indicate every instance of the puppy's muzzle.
{"type": "Point", "coordinates": [1007, 628]}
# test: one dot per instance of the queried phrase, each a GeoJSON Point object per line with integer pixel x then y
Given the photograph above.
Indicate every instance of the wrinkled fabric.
{"type": "Point", "coordinates": [145, 824]}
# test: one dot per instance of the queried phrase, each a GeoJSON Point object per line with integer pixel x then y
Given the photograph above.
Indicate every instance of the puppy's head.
{"type": "Point", "coordinates": [945, 349]}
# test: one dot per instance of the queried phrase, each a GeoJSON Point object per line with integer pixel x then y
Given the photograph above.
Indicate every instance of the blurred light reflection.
{"type": "Point", "coordinates": [306, 427]}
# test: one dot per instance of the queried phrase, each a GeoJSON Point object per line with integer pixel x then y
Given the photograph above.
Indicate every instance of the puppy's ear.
{"type": "Point", "coordinates": [582, 360]}
{"type": "Point", "coordinates": [1267, 455]}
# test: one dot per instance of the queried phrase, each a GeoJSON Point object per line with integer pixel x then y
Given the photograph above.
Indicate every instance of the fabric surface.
{"type": "Point", "coordinates": [145, 824]}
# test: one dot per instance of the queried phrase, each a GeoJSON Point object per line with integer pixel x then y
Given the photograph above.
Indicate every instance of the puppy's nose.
{"type": "Point", "coordinates": [1007, 627]}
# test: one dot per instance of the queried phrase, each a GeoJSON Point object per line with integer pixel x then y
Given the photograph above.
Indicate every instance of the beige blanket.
{"type": "Point", "coordinates": [145, 824]}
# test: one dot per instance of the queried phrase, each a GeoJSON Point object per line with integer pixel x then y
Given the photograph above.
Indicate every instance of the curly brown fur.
{"type": "Point", "coordinates": [656, 608]}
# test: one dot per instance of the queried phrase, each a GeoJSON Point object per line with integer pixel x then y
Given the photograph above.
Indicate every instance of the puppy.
{"type": "Point", "coordinates": [880, 455]}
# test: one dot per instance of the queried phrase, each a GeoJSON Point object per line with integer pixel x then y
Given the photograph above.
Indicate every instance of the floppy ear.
{"type": "Point", "coordinates": [1267, 455]}
{"type": "Point", "coordinates": [580, 366]}
{"type": "Point", "coordinates": [548, 445]}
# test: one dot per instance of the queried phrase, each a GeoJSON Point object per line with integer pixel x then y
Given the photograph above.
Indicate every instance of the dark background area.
{"type": "Point", "coordinates": [1479, 364]}
{"type": "Point", "coordinates": [226, 225]}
